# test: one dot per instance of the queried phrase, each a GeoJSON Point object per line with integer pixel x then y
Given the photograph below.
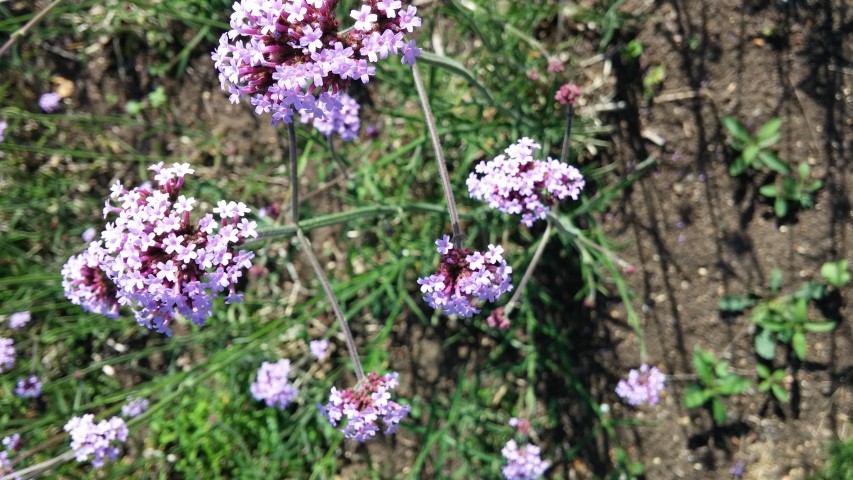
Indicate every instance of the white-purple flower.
{"type": "Point", "coordinates": [271, 385]}
{"type": "Point", "coordinates": [523, 463]}
{"type": "Point", "coordinates": [134, 407]}
{"type": "Point", "coordinates": [13, 442]}
{"type": "Point", "coordinates": [96, 442]}
{"type": "Point", "coordinates": [319, 349]}
{"type": "Point", "coordinates": [19, 319]}
{"type": "Point", "coordinates": [463, 278]}
{"type": "Point", "coordinates": [159, 261]}
{"type": "Point", "coordinates": [364, 405]}
{"type": "Point", "coordinates": [289, 56]}
{"type": "Point", "coordinates": [7, 354]}
{"type": "Point", "coordinates": [515, 183]}
{"type": "Point", "coordinates": [3, 127]}
{"type": "Point", "coordinates": [343, 121]}
{"type": "Point", "coordinates": [49, 102]}
{"type": "Point", "coordinates": [642, 386]}
{"type": "Point", "coordinates": [29, 387]}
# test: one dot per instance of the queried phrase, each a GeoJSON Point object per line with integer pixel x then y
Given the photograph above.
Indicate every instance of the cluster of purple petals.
{"type": "Point", "coordinates": [14, 444]}
{"type": "Point", "coordinates": [568, 94]}
{"type": "Point", "coordinates": [364, 405]}
{"type": "Point", "coordinates": [87, 285]}
{"type": "Point", "coordinates": [464, 277]}
{"type": "Point", "coordinates": [289, 55]}
{"type": "Point", "coordinates": [515, 183]}
{"type": "Point", "coordinates": [271, 385]}
{"type": "Point", "coordinates": [5, 463]}
{"type": "Point", "coordinates": [19, 319]}
{"type": "Point", "coordinates": [49, 102]}
{"type": "Point", "coordinates": [642, 386]}
{"type": "Point", "coordinates": [28, 387]}
{"type": "Point", "coordinates": [159, 261]}
{"type": "Point", "coordinates": [343, 121]}
{"type": "Point", "coordinates": [134, 407]}
{"type": "Point", "coordinates": [7, 354]}
{"type": "Point", "coordinates": [3, 127]}
{"type": "Point", "coordinates": [523, 463]}
{"type": "Point", "coordinates": [96, 442]}
{"type": "Point", "coordinates": [319, 349]}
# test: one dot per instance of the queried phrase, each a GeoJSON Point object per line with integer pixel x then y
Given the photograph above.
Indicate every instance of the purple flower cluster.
{"type": "Point", "coordinates": [19, 319]}
{"type": "Point", "coordinates": [288, 55]}
{"type": "Point", "coordinates": [464, 276]}
{"type": "Point", "coordinates": [3, 127]}
{"type": "Point", "coordinates": [364, 405]}
{"type": "Point", "coordinates": [271, 385]}
{"type": "Point", "coordinates": [160, 262]}
{"type": "Point", "coordinates": [642, 386]}
{"type": "Point", "coordinates": [523, 463]}
{"type": "Point", "coordinates": [28, 388]}
{"type": "Point", "coordinates": [319, 349]}
{"type": "Point", "coordinates": [49, 102]}
{"type": "Point", "coordinates": [87, 285]}
{"type": "Point", "coordinates": [343, 121]}
{"type": "Point", "coordinates": [14, 444]}
{"type": "Point", "coordinates": [134, 407]}
{"type": "Point", "coordinates": [515, 183]}
{"type": "Point", "coordinates": [96, 442]}
{"type": "Point", "coordinates": [568, 94]}
{"type": "Point", "coordinates": [7, 354]}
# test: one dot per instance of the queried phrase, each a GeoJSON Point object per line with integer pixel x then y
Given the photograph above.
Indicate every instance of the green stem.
{"type": "Point", "coordinates": [537, 255]}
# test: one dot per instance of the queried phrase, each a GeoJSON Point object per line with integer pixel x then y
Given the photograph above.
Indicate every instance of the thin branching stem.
{"type": "Point", "coordinates": [537, 255]}
{"type": "Point", "coordinates": [26, 28]}
{"type": "Point", "coordinates": [312, 258]}
{"type": "Point", "coordinates": [570, 114]}
{"type": "Point", "coordinates": [458, 236]}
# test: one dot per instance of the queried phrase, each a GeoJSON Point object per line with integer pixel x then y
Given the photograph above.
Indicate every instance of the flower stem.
{"type": "Point", "coordinates": [537, 255]}
{"type": "Point", "coordinates": [26, 28]}
{"type": "Point", "coordinates": [312, 258]}
{"type": "Point", "coordinates": [458, 236]}
{"type": "Point", "coordinates": [570, 114]}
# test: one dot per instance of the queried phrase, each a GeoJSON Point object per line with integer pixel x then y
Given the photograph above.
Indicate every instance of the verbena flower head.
{"type": "Point", "coordinates": [134, 407]}
{"type": "Point", "coordinates": [3, 127]}
{"type": "Point", "coordinates": [523, 463]}
{"type": "Point", "coordinates": [463, 277]}
{"type": "Point", "coordinates": [89, 234]}
{"type": "Point", "coordinates": [319, 348]}
{"type": "Point", "coordinates": [19, 319]}
{"type": "Point", "coordinates": [364, 405]}
{"type": "Point", "coordinates": [343, 121]}
{"type": "Point", "coordinates": [289, 55]}
{"type": "Point", "coordinates": [28, 388]}
{"type": "Point", "coordinates": [642, 386]}
{"type": "Point", "coordinates": [49, 102]}
{"type": "Point", "coordinates": [5, 464]}
{"type": "Point", "coordinates": [271, 385]}
{"type": "Point", "coordinates": [86, 283]}
{"type": "Point", "coordinates": [498, 319]}
{"type": "Point", "coordinates": [96, 442]}
{"type": "Point", "coordinates": [515, 183]}
{"type": "Point", "coordinates": [13, 442]}
{"type": "Point", "coordinates": [164, 264]}
{"type": "Point", "coordinates": [568, 94]}
{"type": "Point", "coordinates": [7, 354]}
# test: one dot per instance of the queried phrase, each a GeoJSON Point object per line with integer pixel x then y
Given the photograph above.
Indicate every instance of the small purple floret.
{"type": "Point", "coordinates": [29, 387]}
{"type": "Point", "coordinates": [271, 385]}
{"type": "Point", "coordinates": [96, 442]}
{"type": "Point", "coordinates": [19, 319]}
{"type": "Point", "coordinates": [523, 463]}
{"type": "Point", "coordinates": [364, 405]}
{"type": "Point", "coordinates": [7, 354]}
{"type": "Point", "coordinates": [49, 102]}
{"type": "Point", "coordinates": [642, 386]}
{"type": "Point", "coordinates": [134, 407]}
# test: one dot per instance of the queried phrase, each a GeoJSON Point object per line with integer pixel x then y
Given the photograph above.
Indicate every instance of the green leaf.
{"type": "Point", "coordinates": [836, 273]}
{"type": "Point", "coordinates": [780, 393]}
{"type": "Point", "coordinates": [814, 186]}
{"type": "Point", "coordinates": [819, 326]}
{"type": "Point", "coordinates": [798, 344]}
{"type": "Point", "coordinates": [771, 161]}
{"type": "Point", "coordinates": [804, 170]}
{"type": "Point", "coordinates": [737, 167]}
{"type": "Point", "coordinates": [775, 280]}
{"type": "Point", "coordinates": [695, 396]}
{"type": "Point", "coordinates": [780, 206]}
{"type": "Point", "coordinates": [736, 129]}
{"type": "Point", "coordinates": [765, 345]}
{"type": "Point", "coordinates": [721, 369]}
{"type": "Point", "coordinates": [735, 303]}
{"type": "Point", "coordinates": [800, 310]}
{"type": "Point", "coordinates": [762, 370]}
{"type": "Point", "coordinates": [811, 291]}
{"type": "Point", "coordinates": [702, 363]}
{"type": "Point", "coordinates": [749, 154]}
{"type": "Point", "coordinates": [769, 132]}
{"type": "Point", "coordinates": [769, 190]}
{"type": "Point", "coordinates": [764, 385]}
{"type": "Point", "coordinates": [733, 384]}
{"type": "Point", "coordinates": [719, 411]}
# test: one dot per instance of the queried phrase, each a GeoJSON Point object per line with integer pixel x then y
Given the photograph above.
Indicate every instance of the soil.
{"type": "Point", "coordinates": [695, 234]}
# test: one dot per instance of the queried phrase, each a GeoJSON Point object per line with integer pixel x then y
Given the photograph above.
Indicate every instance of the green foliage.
{"type": "Point", "coordinates": [840, 463]}
{"type": "Point", "coordinates": [753, 149]}
{"type": "Point", "coordinates": [715, 382]}
{"type": "Point", "coordinates": [836, 273]}
{"type": "Point", "coordinates": [772, 382]}
{"type": "Point", "coordinates": [797, 189]}
{"type": "Point", "coordinates": [653, 80]}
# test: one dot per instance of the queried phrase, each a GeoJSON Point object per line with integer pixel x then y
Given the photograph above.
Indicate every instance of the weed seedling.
{"type": "Point", "coordinates": [753, 149]}
{"type": "Point", "coordinates": [715, 382]}
{"type": "Point", "coordinates": [772, 382]}
{"type": "Point", "coordinates": [794, 188]}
